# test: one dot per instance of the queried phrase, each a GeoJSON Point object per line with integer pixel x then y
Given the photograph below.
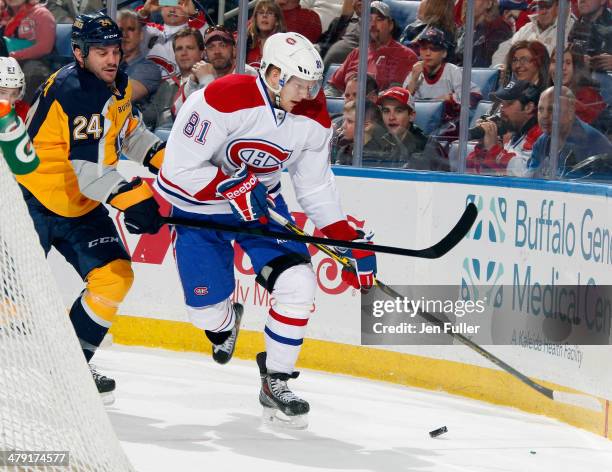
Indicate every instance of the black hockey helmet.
{"type": "Point", "coordinates": [94, 29]}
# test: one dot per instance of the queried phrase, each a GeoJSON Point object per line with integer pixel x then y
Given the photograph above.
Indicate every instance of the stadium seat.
{"type": "Point", "coordinates": [403, 11]}
{"type": "Point", "coordinates": [482, 108]}
{"type": "Point", "coordinates": [428, 115]}
{"type": "Point", "coordinates": [486, 79]}
{"type": "Point", "coordinates": [63, 47]}
{"type": "Point", "coordinates": [331, 70]}
{"type": "Point", "coordinates": [335, 105]}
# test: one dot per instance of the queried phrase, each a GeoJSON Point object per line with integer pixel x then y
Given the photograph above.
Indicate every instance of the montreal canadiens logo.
{"type": "Point", "coordinates": [261, 156]}
{"type": "Point", "coordinates": [200, 291]}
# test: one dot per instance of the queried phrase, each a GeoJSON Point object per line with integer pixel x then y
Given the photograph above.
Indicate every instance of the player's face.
{"type": "Point", "coordinates": [132, 35]}
{"type": "Point", "coordinates": [10, 94]}
{"type": "Point", "coordinates": [431, 55]}
{"type": "Point", "coordinates": [186, 53]}
{"type": "Point", "coordinates": [348, 125]}
{"type": "Point", "coordinates": [568, 67]}
{"type": "Point", "coordinates": [220, 54]}
{"type": "Point", "coordinates": [397, 117]}
{"type": "Point", "coordinates": [524, 66]}
{"type": "Point", "coordinates": [545, 114]}
{"type": "Point", "coordinates": [296, 90]}
{"type": "Point", "coordinates": [103, 62]}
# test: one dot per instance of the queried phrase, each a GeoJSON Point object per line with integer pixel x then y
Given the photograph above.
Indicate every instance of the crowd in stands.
{"type": "Point", "coordinates": [171, 49]}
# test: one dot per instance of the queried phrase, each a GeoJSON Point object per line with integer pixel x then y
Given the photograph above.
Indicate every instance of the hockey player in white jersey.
{"type": "Point", "coordinates": [223, 163]}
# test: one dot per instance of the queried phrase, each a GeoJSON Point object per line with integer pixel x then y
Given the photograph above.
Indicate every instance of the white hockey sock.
{"type": "Point", "coordinates": [287, 319]}
{"type": "Point", "coordinates": [218, 317]}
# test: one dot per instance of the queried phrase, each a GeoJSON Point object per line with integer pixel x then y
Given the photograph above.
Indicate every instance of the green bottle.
{"type": "Point", "coordinates": [15, 143]}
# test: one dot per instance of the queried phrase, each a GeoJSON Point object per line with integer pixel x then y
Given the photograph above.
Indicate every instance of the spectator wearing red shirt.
{"type": "Point", "coordinates": [388, 61]}
{"type": "Point", "coordinates": [267, 19]}
{"type": "Point", "coordinates": [301, 20]}
{"type": "Point", "coordinates": [518, 116]}
{"type": "Point", "coordinates": [27, 19]}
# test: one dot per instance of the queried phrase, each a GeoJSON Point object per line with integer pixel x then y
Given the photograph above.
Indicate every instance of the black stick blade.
{"type": "Point", "coordinates": [454, 237]}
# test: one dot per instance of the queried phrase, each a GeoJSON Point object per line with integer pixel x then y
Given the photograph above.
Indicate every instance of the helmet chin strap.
{"type": "Point", "coordinates": [275, 90]}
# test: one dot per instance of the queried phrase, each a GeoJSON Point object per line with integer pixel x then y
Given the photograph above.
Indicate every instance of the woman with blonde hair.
{"type": "Point", "coordinates": [437, 13]}
{"type": "Point", "coordinates": [267, 19]}
{"type": "Point", "coordinates": [490, 30]}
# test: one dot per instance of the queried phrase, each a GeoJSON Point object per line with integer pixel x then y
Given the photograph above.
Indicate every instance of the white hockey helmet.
{"type": "Point", "coordinates": [295, 56]}
{"type": "Point", "coordinates": [11, 75]}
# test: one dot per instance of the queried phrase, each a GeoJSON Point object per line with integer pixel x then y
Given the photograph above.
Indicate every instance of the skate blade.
{"type": "Point", "coordinates": [274, 417]}
{"type": "Point", "coordinates": [107, 398]}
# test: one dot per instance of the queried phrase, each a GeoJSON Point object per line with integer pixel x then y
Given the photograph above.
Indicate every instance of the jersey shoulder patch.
{"type": "Point", "coordinates": [233, 92]}
{"type": "Point", "coordinates": [315, 109]}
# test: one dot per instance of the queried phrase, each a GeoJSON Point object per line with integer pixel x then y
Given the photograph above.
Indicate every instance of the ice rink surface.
{"type": "Point", "coordinates": [182, 412]}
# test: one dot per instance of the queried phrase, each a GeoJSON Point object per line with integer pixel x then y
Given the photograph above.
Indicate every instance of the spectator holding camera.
{"type": "Point", "coordinates": [592, 33]}
{"type": "Point", "coordinates": [517, 116]}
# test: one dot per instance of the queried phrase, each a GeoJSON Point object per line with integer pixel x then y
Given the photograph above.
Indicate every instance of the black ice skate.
{"type": "Point", "coordinates": [105, 385]}
{"type": "Point", "coordinates": [281, 406]}
{"type": "Point", "coordinates": [222, 353]}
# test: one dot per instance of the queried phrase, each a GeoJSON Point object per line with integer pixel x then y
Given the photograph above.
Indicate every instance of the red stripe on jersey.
{"type": "Point", "coordinates": [210, 191]}
{"type": "Point", "coordinates": [160, 175]}
{"type": "Point", "coordinates": [233, 92]}
{"type": "Point", "coordinates": [340, 230]}
{"type": "Point", "coordinates": [286, 320]}
{"type": "Point", "coordinates": [314, 109]}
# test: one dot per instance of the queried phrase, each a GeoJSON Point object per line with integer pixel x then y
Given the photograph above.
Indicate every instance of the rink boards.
{"type": "Point", "coordinates": [527, 233]}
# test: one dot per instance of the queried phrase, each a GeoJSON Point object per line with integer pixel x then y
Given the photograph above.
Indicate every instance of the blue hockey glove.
{"type": "Point", "coordinates": [247, 196]}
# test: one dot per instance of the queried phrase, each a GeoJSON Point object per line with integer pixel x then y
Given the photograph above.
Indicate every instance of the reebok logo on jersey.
{"type": "Point", "coordinates": [261, 156]}
{"type": "Point", "coordinates": [200, 291]}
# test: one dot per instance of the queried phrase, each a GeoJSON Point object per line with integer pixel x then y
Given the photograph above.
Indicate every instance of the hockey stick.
{"type": "Point", "coordinates": [574, 399]}
{"type": "Point", "coordinates": [437, 250]}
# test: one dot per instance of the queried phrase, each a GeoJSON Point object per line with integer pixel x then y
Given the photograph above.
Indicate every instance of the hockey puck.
{"type": "Point", "coordinates": [437, 432]}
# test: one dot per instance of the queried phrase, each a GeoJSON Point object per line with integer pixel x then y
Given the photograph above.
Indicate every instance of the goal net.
{"type": "Point", "coordinates": [48, 400]}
